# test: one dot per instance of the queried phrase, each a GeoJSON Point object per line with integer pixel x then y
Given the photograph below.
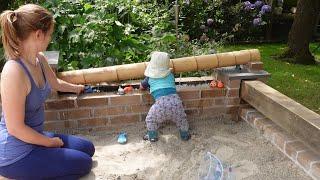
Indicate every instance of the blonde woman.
{"type": "Point", "coordinates": [26, 151]}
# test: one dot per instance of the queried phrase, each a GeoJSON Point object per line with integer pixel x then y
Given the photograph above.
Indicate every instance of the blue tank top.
{"type": "Point", "coordinates": [11, 148]}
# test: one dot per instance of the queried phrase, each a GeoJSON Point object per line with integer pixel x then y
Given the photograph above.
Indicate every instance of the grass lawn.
{"type": "Point", "coordinates": [299, 82]}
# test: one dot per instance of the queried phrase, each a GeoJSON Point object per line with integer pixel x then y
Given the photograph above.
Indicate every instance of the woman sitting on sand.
{"type": "Point", "coordinates": [26, 151]}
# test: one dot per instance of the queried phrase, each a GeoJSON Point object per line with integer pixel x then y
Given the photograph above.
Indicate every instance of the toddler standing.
{"type": "Point", "coordinates": [168, 105]}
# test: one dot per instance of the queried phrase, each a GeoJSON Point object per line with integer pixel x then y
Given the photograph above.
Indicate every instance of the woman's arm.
{"type": "Point", "coordinates": [56, 83]}
{"type": "Point", "coordinates": [14, 90]}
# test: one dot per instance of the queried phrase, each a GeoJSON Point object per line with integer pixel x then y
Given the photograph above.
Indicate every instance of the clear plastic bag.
{"type": "Point", "coordinates": [210, 168]}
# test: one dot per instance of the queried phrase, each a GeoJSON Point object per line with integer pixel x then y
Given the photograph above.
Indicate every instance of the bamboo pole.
{"type": "Point", "coordinates": [136, 70]}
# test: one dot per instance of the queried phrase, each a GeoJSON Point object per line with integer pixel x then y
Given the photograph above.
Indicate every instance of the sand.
{"type": "Point", "coordinates": [235, 144]}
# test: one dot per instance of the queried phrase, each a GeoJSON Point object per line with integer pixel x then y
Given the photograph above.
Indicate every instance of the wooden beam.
{"type": "Point", "coordinates": [285, 112]}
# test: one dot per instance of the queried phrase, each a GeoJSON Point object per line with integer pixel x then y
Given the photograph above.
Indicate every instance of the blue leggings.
{"type": "Point", "coordinates": [69, 162]}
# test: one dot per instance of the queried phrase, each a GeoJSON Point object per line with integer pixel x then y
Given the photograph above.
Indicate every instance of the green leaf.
{"type": "Point", "coordinates": [88, 7]}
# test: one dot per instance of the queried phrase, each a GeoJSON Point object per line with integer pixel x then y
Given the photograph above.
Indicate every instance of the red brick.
{"type": "Point", "coordinates": [71, 124]}
{"type": "Point", "coordinates": [60, 104]}
{"type": "Point", "coordinates": [125, 100]}
{"type": "Point", "coordinates": [213, 111]}
{"type": "Point", "coordinates": [315, 170]}
{"type": "Point", "coordinates": [281, 138]}
{"type": "Point", "coordinates": [192, 113]}
{"type": "Point", "coordinates": [93, 122]}
{"type": "Point", "coordinates": [214, 92]}
{"type": "Point", "coordinates": [138, 109]}
{"type": "Point", "coordinates": [189, 94]}
{"type": "Point", "coordinates": [232, 83]}
{"type": "Point", "coordinates": [252, 116]}
{"type": "Point", "coordinates": [292, 148]}
{"type": "Point", "coordinates": [102, 128]}
{"type": "Point", "coordinates": [232, 92]}
{"type": "Point", "coordinates": [207, 103]}
{"type": "Point", "coordinates": [92, 102]}
{"type": "Point", "coordinates": [124, 119]}
{"type": "Point", "coordinates": [54, 125]}
{"type": "Point", "coordinates": [143, 116]}
{"type": "Point", "coordinates": [262, 123]}
{"type": "Point", "coordinates": [231, 109]}
{"type": "Point", "coordinates": [306, 158]}
{"type": "Point", "coordinates": [51, 116]}
{"type": "Point", "coordinates": [220, 101]}
{"type": "Point", "coordinates": [117, 110]}
{"type": "Point", "coordinates": [147, 99]}
{"type": "Point", "coordinates": [232, 117]}
{"type": "Point", "coordinates": [198, 103]}
{"type": "Point", "coordinates": [270, 132]}
{"type": "Point", "coordinates": [75, 114]}
{"type": "Point", "coordinates": [222, 77]}
{"type": "Point", "coordinates": [191, 104]}
{"type": "Point", "coordinates": [244, 112]}
{"type": "Point", "coordinates": [232, 101]}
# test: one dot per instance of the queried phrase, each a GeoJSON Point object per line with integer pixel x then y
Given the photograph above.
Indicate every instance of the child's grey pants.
{"type": "Point", "coordinates": [167, 108]}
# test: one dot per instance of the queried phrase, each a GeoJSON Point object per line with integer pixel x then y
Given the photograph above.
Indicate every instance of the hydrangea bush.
{"type": "Point", "coordinates": [221, 20]}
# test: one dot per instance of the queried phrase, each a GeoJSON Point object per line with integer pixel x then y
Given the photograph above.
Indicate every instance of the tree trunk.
{"type": "Point", "coordinates": [302, 30]}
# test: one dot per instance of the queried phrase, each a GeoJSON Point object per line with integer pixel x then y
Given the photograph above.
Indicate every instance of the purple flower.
{"type": "Point", "coordinates": [249, 7]}
{"type": "Point", "coordinates": [258, 4]}
{"type": "Point", "coordinates": [266, 8]}
{"type": "Point", "coordinates": [261, 12]}
{"type": "Point", "coordinates": [206, 1]}
{"type": "Point", "coordinates": [257, 21]}
{"type": "Point", "coordinates": [210, 22]}
{"type": "Point", "coordinates": [247, 3]}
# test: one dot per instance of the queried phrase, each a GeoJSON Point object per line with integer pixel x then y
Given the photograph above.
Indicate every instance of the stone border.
{"type": "Point", "coordinates": [291, 146]}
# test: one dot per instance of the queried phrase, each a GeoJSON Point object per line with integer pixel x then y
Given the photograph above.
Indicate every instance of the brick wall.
{"type": "Point", "coordinates": [102, 111]}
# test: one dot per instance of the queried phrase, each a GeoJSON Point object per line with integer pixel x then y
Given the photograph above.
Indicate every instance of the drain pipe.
{"type": "Point", "coordinates": [176, 9]}
{"type": "Point", "coordinates": [136, 70]}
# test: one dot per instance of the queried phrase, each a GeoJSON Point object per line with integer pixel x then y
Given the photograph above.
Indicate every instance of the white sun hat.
{"type": "Point", "coordinates": [158, 66]}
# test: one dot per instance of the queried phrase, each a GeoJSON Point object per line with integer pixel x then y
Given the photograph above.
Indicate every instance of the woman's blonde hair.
{"type": "Point", "coordinates": [17, 25]}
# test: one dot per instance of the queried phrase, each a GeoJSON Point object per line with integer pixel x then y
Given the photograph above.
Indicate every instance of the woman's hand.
{"type": "Point", "coordinates": [79, 88]}
{"type": "Point", "coordinates": [55, 142]}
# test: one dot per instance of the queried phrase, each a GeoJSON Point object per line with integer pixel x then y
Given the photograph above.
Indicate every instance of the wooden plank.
{"type": "Point", "coordinates": [285, 112]}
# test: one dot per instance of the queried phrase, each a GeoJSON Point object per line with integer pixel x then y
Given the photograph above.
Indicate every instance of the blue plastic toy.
{"type": "Point", "coordinates": [122, 138]}
{"type": "Point", "coordinates": [88, 89]}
